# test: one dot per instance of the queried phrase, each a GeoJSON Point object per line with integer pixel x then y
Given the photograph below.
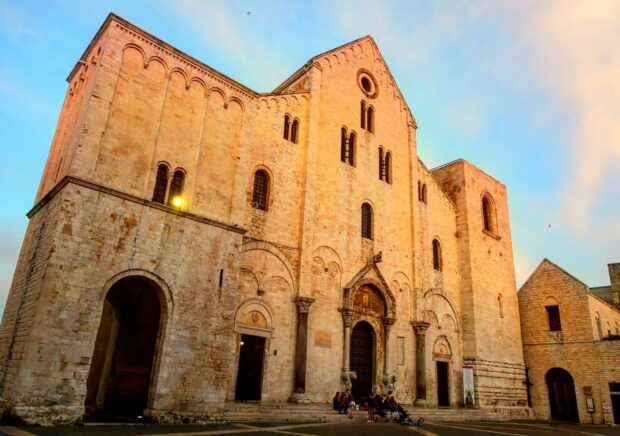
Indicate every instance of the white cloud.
{"type": "Point", "coordinates": [576, 61]}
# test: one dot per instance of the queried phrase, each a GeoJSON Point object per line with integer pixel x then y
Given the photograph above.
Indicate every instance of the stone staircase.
{"type": "Point", "coordinates": [321, 412]}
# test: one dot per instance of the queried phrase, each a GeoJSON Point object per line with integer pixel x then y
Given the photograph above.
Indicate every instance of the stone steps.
{"type": "Point", "coordinates": [321, 412]}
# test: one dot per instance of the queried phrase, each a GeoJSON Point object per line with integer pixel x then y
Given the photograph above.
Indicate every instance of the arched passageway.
{"type": "Point", "coordinates": [362, 359]}
{"type": "Point", "coordinates": [121, 367]}
{"type": "Point", "coordinates": [562, 401]}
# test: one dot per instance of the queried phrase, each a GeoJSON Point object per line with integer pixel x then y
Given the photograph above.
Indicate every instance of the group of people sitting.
{"type": "Point", "coordinates": [379, 408]}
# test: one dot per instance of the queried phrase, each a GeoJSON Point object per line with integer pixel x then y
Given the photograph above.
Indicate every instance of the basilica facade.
{"type": "Point", "coordinates": [195, 242]}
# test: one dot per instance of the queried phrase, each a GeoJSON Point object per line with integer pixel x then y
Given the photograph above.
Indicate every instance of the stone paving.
{"type": "Point", "coordinates": [322, 429]}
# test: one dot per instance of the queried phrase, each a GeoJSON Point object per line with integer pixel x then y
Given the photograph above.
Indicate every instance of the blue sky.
{"type": "Point", "coordinates": [528, 91]}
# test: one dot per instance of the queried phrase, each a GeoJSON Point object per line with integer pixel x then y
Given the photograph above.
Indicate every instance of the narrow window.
{"type": "Point", "coordinates": [419, 190]}
{"type": "Point", "coordinates": [381, 164]}
{"type": "Point", "coordinates": [161, 184]}
{"type": "Point", "coordinates": [363, 115]}
{"type": "Point", "coordinates": [599, 327]}
{"type": "Point", "coordinates": [436, 255]}
{"type": "Point", "coordinates": [388, 167]}
{"type": "Point", "coordinates": [366, 221]}
{"type": "Point", "coordinates": [500, 302]}
{"type": "Point", "coordinates": [221, 281]}
{"type": "Point", "coordinates": [553, 313]}
{"type": "Point", "coordinates": [294, 131]}
{"type": "Point", "coordinates": [370, 119]}
{"type": "Point", "coordinates": [424, 199]}
{"type": "Point", "coordinates": [261, 190]}
{"type": "Point", "coordinates": [488, 214]}
{"type": "Point", "coordinates": [343, 145]}
{"type": "Point", "coordinates": [287, 124]}
{"type": "Point", "coordinates": [351, 148]}
{"type": "Point", "coordinates": [176, 188]}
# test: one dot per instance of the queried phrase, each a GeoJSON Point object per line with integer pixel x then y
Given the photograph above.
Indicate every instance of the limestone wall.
{"type": "Point", "coordinates": [488, 289]}
{"type": "Point", "coordinates": [609, 317]}
{"type": "Point", "coordinates": [576, 348]}
{"type": "Point", "coordinates": [98, 238]}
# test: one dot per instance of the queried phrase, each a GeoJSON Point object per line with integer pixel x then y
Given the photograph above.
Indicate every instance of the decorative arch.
{"type": "Point", "coordinates": [200, 82]}
{"type": "Point", "coordinates": [442, 349]}
{"type": "Point", "coordinates": [265, 246]}
{"type": "Point", "coordinates": [331, 253]}
{"type": "Point", "coordinates": [376, 281]}
{"type": "Point", "coordinates": [216, 90]}
{"type": "Point", "coordinates": [436, 300]}
{"type": "Point", "coordinates": [137, 48]}
{"type": "Point", "coordinates": [183, 74]}
{"type": "Point", "coordinates": [159, 61]}
{"type": "Point", "coordinates": [255, 317]}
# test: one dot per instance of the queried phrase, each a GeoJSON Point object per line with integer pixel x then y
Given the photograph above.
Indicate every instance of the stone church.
{"type": "Point", "coordinates": [194, 242]}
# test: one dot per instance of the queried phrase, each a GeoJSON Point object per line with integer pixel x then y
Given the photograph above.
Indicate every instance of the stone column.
{"type": "Point", "coordinates": [301, 350]}
{"type": "Point", "coordinates": [420, 360]}
{"type": "Point", "coordinates": [388, 377]}
{"type": "Point", "coordinates": [345, 375]}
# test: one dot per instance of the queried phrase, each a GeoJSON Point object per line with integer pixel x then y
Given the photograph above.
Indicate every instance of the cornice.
{"type": "Point", "coordinates": [67, 180]}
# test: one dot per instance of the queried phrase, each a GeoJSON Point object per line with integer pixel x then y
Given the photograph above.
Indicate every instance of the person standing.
{"type": "Point", "coordinates": [371, 408]}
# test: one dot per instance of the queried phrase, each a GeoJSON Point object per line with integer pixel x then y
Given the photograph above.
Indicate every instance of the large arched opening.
{"type": "Point", "coordinates": [122, 364]}
{"type": "Point", "coordinates": [562, 400]}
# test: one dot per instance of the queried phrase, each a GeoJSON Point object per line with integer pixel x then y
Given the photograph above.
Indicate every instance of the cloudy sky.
{"type": "Point", "coordinates": [529, 91]}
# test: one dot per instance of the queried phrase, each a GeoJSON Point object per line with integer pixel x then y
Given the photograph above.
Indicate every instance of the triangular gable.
{"type": "Point", "coordinates": [297, 75]}
{"type": "Point", "coordinates": [546, 261]}
{"type": "Point", "coordinates": [370, 273]}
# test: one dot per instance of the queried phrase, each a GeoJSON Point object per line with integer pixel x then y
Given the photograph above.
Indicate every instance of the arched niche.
{"type": "Point", "coordinates": [254, 317]}
{"type": "Point", "coordinates": [442, 349]}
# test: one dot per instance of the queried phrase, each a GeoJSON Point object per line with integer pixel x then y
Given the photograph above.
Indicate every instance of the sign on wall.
{"type": "Point", "coordinates": [468, 386]}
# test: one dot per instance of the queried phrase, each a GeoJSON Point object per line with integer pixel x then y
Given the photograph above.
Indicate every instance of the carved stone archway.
{"type": "Point", "coordinates": [367, 297]}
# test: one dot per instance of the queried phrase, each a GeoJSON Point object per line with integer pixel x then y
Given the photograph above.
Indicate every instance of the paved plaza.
{"type": "Point", "coordinates": [323, 429]}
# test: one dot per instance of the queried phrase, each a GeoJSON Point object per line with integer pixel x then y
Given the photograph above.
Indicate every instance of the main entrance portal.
{"type": "Point", "coordinates": [120, 372]}
{"type": "Point", "coordinates": [362, 359]}
{"type": "Point", "coordinates": [562, 399]}
{"type": "Point", "coordinates": [250, 369]}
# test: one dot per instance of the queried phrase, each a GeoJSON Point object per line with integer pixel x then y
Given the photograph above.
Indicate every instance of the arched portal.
{"type": "Point", "coordinates": [120, 372]}
{"type": "Point", "coordinates": [562, 401]}
{"type": "Point", "coordinates": [362, 359]}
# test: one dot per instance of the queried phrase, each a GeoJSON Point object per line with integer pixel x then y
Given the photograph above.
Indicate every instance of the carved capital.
{"type": "Point", "coordinates": [388, 321]}
{"type": "Point", "coordinates": [303, 304]}
{"type": "Point", "coordinates": [348, 317]}
{"type": "Point", "coordinates": [420, 327]}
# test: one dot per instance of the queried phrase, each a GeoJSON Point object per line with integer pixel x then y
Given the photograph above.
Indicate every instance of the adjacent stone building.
{"type": "Point", "coordinates": [194, 242]}
{"type": "Point", "coordinates": [571, 343]}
